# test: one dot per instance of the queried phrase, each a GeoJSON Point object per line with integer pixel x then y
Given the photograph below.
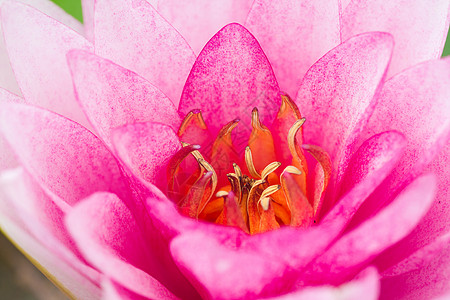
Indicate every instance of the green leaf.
{"type": "Point", "coordinates": [72, 7]}
{"type": "Point", "coordinates": [447, 45]}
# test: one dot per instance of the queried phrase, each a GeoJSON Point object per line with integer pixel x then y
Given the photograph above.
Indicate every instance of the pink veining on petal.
{"type": "Point", "coordinates": [337, 93]}
{"type": "Point", "coordinates": [419, 28]}
{"type": "Point", "coordinates": [199, 20]}
{"type": "Point", "coordinates": [357, 247]}
{"type": "Point", "coordinates": [133, 34]}
{"type": "Point", "coordinates": [37, 46]}
{"type": "Point", "coordinates": [117, 245]}
{"type": "Point", "coordinates": [7, 157]}
{"type": "Point", "coordinates": [365, 286]}
{"type": "Point", "coordinates": [146, 148]}
{"type": "Point", "coordinates": [309, 30]}
{"type": "Point", "coordinates": [47, 143]}
{"type": "Point", "coordinates": [112, 96]}
{"type": "Point", "coordinates": [414, 102]}
{"type": "Point", "coordinates": [230, 77]}
{"type": "Point", "coordinates": [7, 78]}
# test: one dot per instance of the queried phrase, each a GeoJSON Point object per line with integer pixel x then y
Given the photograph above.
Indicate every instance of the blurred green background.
{"type": "Point", "coordinates": [18, 277]}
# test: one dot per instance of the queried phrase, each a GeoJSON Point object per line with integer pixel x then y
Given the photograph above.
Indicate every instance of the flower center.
{"type": "Point", "coordinates": [269, 191]}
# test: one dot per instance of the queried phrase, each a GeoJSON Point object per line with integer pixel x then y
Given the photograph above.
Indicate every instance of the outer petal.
{"type": "Point", "coordinates": [146, 148]}
{"type": "Point", "coordinates": [42, 218]}
{"type": "Point", "coordinates": [419, 259]}
{"type": "Point", "coordinates": [64, 276]}
{"type": "Point", "coordinates": [7, 158]}
{"type": "Point", "coordinates": [419, 28]}
{"type": "Point", "coordinates": [355, 249]}
{"type": "Point", "coordinates": [336, 93]}
{"type": "Point", "coordinates": [88, 18]}
{"type": "Point", "coordinates": [134, 35]}
{"type": "Point", "coordinates": [113, 96]}
{"type": "Point", "coordinates": [199, 20]}
{"type": "Point", "coordinates": [428, 281]}
{"type": "Point", "coordinates": [38, 212]}
{"type": "Point", "coordinates": [37, 45]}
{"type": "Point", "coordinates": [416, 250]}
{"type": "Point", "coordinates": [366, 286]}
{"type": "Point", "coordinates": [381, 151]}
{"type": "Point", "coordinates": [215, 275]}
{"type": "Point", "coordinates": [108, 235]}
{"type": "Point", "coordinates": [230, 77]}
{"type": "Point", "coordinates": [7, 79]}
{"type": "Point", "coordinates": [294, 34]}
{"type": "Point", "coordinates": [61, 155]}
{"type": "Point", "coordinates": [114, 291]}
{"type": "Point", "coordinates": [414, 102]}
{"type": "Point", "coordinates": [26, 224]}
{"type": "Point", "coordinates": [369, 166]}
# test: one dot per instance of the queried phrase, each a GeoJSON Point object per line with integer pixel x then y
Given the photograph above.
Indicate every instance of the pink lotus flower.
{"type": "Point", "coordinates": [154, 166]}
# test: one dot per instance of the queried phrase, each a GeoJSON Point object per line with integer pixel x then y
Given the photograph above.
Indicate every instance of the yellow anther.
{"type": "Point", "coordinates": [292, 133]}
{"type": "Point", "coordinates": [249, 162]}
{"type": "Point", "coordinates": [291, 170]}
{"type": "Point", "coordinates": [237, 170]}
{"type": "Point", "coordinates": [221, 194]}
{"type": "Point", "coordinates": [270, 168]}
{"type": "Point", "coordinates": [264, 199]}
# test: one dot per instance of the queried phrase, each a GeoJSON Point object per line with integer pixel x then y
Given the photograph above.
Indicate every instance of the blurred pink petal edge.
{"type": "Point", "coordinates": [95, 121]}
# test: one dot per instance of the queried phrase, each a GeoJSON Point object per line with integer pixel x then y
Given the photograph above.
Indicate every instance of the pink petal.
{"type": "Point", "coordinates": [171, 223]}
{"type": "Point", "coordinates": [414, 102]}
{"type": "Point", "coordinates": [427, 282]}
{"type": "Point", "coordinates": [8, 205]}
{"type": "Point", "coordinates": [294, 34]}
{"type": "Point", "coordinates": [71, 281]}
{"type": "Point", "coordinates": [73, 276]}
{"type": "Point", "coordinates": [336, 93]}
{"type": "Point", "coordinates": [7, 158]}
{"type": "Point", "coordinates": [230, 77]}
{"type": "Point", "coordinates": [114, 291]}
{"type": "Point", "coordinates": [356, 248]}
{"type": "Point", "coordinates": [133, 34]}
{"type": "Point", "coordinates": [7, 78]}
{"type": "Point", "coordinates": [146, 149]}
{"type": "Point", "coordinates": [109, 237]}
{"type": "Point", "coordinates": [382, 151]}
{"type": "Point", "coordinates": [366, 286]}
{"type": "Point", "coordinates": [42, 218]}
{"type": "Point", "coordinates": [372, 163]}
{"type": "Point", "coordinates": [213, 268]}
{"type": "Point", "coordinates": [113, 96]}
{"type": "Point", "coordinates": [65, 158]}
{"type": "Point", "coordinates": [420, 258]}
{"type": "Point", "coordinates": [35, 204]}
{"type": "Point", "coordinates": [88, 18]}
{"type": "Point", "coordinates": [419, 28]}
{"type": "Point", "coordinates": [437, 221]}
{"type": "Point", "coordinates": [432, 230]}
{"type": "Point", "coordinates": [344, 4]}
{"type": "Point", "coordinates": [37, 45]}
{"type": "Point", "coordinates": [199, 20]}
